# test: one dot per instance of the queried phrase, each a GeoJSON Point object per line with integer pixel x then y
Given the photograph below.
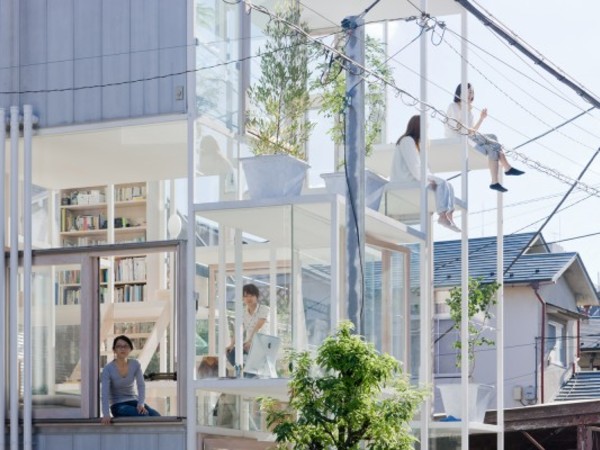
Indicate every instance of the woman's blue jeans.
{"type": "Point", "coordinates": [129, 409]}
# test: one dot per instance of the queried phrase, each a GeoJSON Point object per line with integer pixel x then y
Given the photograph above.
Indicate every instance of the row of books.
{"type": "Point", "coordinates": [128, 193]}
{"type": "Point", "coordinates": [69, 297]}
{"type": "Point", "coordinates": [130, 293]}
{"type": "Point", "coordinates": [81, 222]}
{"type": "Point", "coordinates": [69, 277]}
{"type": "Point", "coordinates": [130, 269]}
{"type": "Point", "coordinates": [82, 241]}
{"type": "Point", "coordinates": [133, 328]}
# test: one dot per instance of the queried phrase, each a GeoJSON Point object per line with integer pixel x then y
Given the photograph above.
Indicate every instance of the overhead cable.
{"type": "Point", "coordinates": [538, 232]}
{"type": "Point", "coordinates": [532, 54]}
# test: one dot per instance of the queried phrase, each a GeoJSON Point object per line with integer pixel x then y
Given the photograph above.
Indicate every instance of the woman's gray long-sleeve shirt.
{"type": "Point", "coordinates": [118, 389]}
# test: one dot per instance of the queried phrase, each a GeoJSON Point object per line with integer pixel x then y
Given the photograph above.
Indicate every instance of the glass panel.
{"type": "Point", "coordinates": [137, 300]}
{"type": "Point", "coordinates": [217, 30]}
{"type": "Point", "coordinates": [415, 313]}
{"type": "Point", "coordinates": [56, 322]}
{"type": "Point", "coordinates": [373, 325]}
{"type": "Point", "coordinates": [312, 246]}
{"type": "Point", "coordinates": [400, 321]}
{"type": "Point", "coordinates": [266, 263]}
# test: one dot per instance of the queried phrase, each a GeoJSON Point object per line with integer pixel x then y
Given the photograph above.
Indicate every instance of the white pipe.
{"type": "Point", "coordinates": [425, 372]}
{"type": "Point", "coordinates": [239, 310]}
{"type": "Point", "coordinates": [2, 275]}
{"type": "Point", "coordinates": [13, 325]}
{"type": "Point", "coordinates": [27, 274]}
{"type": "Point", "coordinates": [464, 245]}
{"type": "Point", "coordinates": [222, 289]}
{"type": "Point", "coordinates": [500, 320]}
{"type": "Point", "coordinates": [273, 324]}
{"type": "Point", "coordinates": [335, 294]}
{"type": "Point", "coordinates": [190, 274]}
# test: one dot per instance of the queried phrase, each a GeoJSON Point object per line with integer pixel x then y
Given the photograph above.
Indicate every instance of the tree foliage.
{"type": "Point", "coordinates": [280, 98]}
{"type": "Point", "coordinates": [348, 395]}
{"type": "Point", "coordinates": [482, 296]}
{"type": "Point", "coordinates": [333, 98]}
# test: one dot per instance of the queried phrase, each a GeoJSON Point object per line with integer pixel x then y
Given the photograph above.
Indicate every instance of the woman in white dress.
{"type": "Point", "coordinates": [406, 167]}
{"type": "Point", "coordinates": [483, 143]}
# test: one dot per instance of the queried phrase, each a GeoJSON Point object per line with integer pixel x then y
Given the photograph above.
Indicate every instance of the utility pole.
{"type": "Point", "coordinates": [355, 169]}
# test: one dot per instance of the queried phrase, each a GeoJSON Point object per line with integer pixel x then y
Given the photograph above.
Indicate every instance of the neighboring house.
{"type": "Point", "coordinates": [543, 290]}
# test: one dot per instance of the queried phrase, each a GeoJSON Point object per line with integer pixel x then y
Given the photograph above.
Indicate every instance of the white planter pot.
{"type": "Point", "coordinates": [374, 186]}
{"type": "Point", "coordinates": [274, 176]}
{"type": "Point", "coordinates": [479, 399]}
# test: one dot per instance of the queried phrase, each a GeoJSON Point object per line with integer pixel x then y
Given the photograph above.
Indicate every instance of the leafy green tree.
{"type": "Point", "coordinates": [349, 397]}
{"type": "Point", "coordinates": [280, 98]}
{"type": "Point", "coordinates": [482, 296]}
{"type": "Point", "coordinates": [333, 93]}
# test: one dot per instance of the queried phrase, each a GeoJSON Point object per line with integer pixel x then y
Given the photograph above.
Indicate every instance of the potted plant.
{"type": "Point", "coordinates": [333, 103]}
{"type": "Point", "coordinates": [481, 298]}
{"type": "Point", "coordinates": [277, 120]}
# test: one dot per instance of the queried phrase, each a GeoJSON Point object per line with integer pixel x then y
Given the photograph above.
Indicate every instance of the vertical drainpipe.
{"type": "Point", "coordinates": [13, 332]}
{"type": "Point", "coordinates": [190, 260]}
{"type": "Point", "coordinates": [535, 288]}
{"type": "Point", "coordinates": [2, 276]}
{"type": "Point", "coordinates": [27, 274]}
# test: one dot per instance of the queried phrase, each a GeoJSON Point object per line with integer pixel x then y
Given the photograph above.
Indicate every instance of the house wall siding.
{"type": "Point", "coordinates": [84, 61]}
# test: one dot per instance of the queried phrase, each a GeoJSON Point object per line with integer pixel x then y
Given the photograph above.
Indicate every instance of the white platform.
{"type": "Point", "coordinates": [276, 388]}
{"type": "Point", "coordinates": [445, 155]}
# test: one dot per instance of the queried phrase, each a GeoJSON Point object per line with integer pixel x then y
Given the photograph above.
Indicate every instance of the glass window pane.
{"type": "Point", "coordinates": [56, 319]}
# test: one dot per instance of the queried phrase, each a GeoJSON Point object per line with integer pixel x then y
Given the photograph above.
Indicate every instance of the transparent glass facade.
{"type": "Point", "coordinates": [56, 331]}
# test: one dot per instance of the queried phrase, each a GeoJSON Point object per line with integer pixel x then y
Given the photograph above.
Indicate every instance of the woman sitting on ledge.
{"type": "Point", "coordinates": [118, 378]}
{"type": "Point", "coordinates": [486, 144]}
{"type": "Point", "coordinates": [406, 167]}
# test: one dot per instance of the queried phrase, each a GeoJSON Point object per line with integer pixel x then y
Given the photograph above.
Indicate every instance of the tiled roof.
{"type": "Point", "coordinates": [534, 265]}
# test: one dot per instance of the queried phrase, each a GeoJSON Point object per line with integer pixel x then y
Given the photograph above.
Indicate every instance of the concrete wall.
{"type": "Point", "coordinates": [80, 436]}
{"type": "Point", "coordinates": [78, 60]}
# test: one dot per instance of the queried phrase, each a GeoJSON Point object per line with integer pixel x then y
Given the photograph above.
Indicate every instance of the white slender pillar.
{"type": "Point", "coordinates": [13, 326]}
{"type": "Point", "coordinates": [222, 287]}
{"type": "Point", "coordinates": [500, 320]}
{"type": "Point", "coordinates": [464, 244]}
{"type": "Point", "coordinates": [2, 276]}
{"type": "Point", "coordinates": [425, 372]}
{"type": "Point", "coordinates": [27, 274]}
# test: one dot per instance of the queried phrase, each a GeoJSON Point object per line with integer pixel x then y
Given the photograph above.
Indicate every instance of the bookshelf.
{"type": "Point", "coordinates": [69, 287]}
{"type": "Point", "coordinates": [130, 279]}
{"type": "Point", "coordinates": [85, 212]}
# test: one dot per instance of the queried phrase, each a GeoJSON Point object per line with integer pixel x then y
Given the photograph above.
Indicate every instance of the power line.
{"type": "Point", "coordinates": [518, 104]}
{"type": "Point", "coordinates": [413, 101]}
{"type": "Point", "coordinates": [530, 52]}
{"type": "Point", "coordinates": [155, 77]}
{"type": "Point", "coordinates": [553, 212]}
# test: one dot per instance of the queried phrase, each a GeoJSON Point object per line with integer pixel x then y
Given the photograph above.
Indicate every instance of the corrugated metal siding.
{"type": "Point", "coordinates": [91, 53]}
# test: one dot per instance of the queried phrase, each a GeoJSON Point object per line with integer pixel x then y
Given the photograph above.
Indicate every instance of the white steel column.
{"type": "Point", "coordinates": [13, 325]}
{"type": "Point", "coordinates": [27, 274]}
{"type": "Point", "coordinates": [425, 372]}
{"type": "Point", "coordinates": [2, 276]}
{"type": "Point", "coordinates": [464, 245]}
{"type": "Point", "coordinates": [222, 289]}
{"type": "Point", "coordinates": [500, 320]}
{"type": "Point", "coordinates": [239, 304]}
{"type": "Point", "coordinates": [273, 323]}
{"type": "Point", "coordinates": [190, 260]}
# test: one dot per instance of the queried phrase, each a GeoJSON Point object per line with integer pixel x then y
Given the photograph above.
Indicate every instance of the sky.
{"type": "Point", "coordinates": [523, 102]}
